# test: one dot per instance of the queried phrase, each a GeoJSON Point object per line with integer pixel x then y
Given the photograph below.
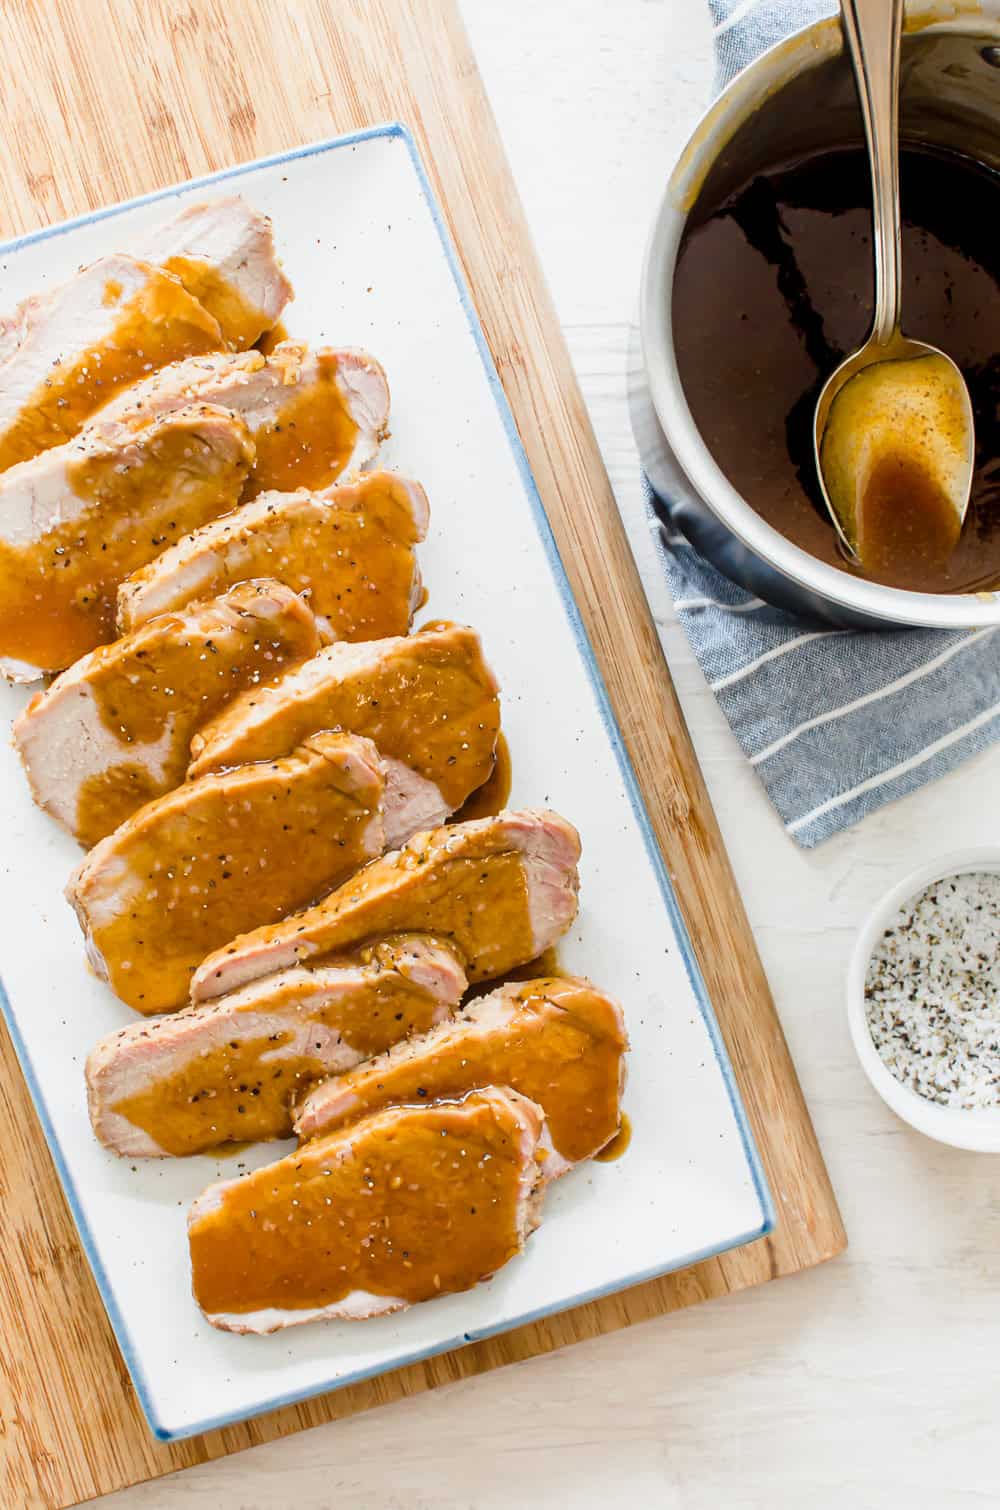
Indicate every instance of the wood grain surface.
{"type": "Point", "coordinates": [103, 99]}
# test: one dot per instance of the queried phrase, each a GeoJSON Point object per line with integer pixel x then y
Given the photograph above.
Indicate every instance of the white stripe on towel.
{"type": "Point", "coordinates": [897, 770]}
{"type": "Point", "coordinates": [736, 15]}
{"type": "Point", "coordinates": [771, 655]}
{"type": "Point", "coordinates": [683, 603]}
{"type": "Point", "coordinates": [871, 697]}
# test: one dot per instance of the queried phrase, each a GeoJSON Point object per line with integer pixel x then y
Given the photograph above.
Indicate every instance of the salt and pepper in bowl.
{"type": "Point", "coordinates": [923, 999]}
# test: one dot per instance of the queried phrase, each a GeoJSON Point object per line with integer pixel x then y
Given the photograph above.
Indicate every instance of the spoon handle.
{"type": "Point", "coordinates": [872, 29]}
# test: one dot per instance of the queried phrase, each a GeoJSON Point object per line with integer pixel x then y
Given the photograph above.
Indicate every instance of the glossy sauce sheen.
{"type": "Point", "coordinates": [161, 323]}
{"type": "Point", "coordinates": [352, 558]}
{"type": "Point", "coordinates": [231, 1092]}
{"type": "Point", "coordinates": [309, 442]}
{"type": "Point", "coordinates": [480, 904]}
{"type": "Point", "coordinates": [415, 1203]}
{"type": "Point", "coordinates": [560, 1044]}
{"type": "Point", "coordinates": [619, 1145]}
{"type": "Point", "coordinates": [241, 322]}
{"type": "Point", "coordinates": [247, 1086]}
{"type": "Point", "coordinates": [431, 703]}
{"type": "Point", "coordinates": [57, 595]}
{"type": "Point", "coordinates": [465, 891]}
{"type": "Point", "coordinates": [792, 251]}
{"type": "Point", "coordinates": [895, 463]}
{"type": "Point", "coordinates": [106, 798]}
{"type": "Point", "coordinates": [222, 855]}
{"type": "Point", "coordinates": [266, 343]}
{"type": "Point", "coordinates": [547, 964]}
{"type": "Point", "coordinates": [907, 524]}
{"type": "Point", "coordinates": [163, 682]}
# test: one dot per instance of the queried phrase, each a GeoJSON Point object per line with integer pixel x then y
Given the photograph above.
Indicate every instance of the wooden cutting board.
{"type": "Point", "coordinates": [104, 99]}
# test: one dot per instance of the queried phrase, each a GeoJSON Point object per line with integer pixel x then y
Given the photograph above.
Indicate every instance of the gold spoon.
{"type": "Point", "coordinates": [893, 433]}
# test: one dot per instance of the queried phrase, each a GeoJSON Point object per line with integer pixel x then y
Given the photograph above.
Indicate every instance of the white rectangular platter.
{"type": "Point", "coordinates": [372, 266]}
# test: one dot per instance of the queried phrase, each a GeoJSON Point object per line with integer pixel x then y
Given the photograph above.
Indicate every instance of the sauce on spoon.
{"type": "Point", "coordinates": [895, 457]}
{"type": "Point", "coordinates": [793, 242]}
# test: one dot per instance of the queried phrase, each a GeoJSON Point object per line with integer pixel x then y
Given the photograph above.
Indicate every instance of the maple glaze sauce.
{"type": "Point", "coordinates": [414, 1203]}
{"type": "Point", "coordinates": [211, 859]}
{"type": "Point", "coordinates": [352, 559]}
{"type": "Point", "coordinates": [545, 964]}
{"type": "Point", "coordinates": [480, 904]}
{"type": "Point", "coordinates": [106, 798]}
{"type": "Point", "coordinates": [241, 322]}
{"type": "Point", "coordinates": [907, 522]}
{"type": "Point", "coordinates": [619, 1143]}
{"type": "Point", "coordinates": [492, 797]}
{"type": "Point", "coordinates": [467, 883]}
{"type": "Point", "coordinates": [790, 249]}
{"type": "Point", "coordinates": [562, 1046]}
{"type": "Point", "coordinates": [895, 461]}
{"type": "Point", "coordinates": [231, 1092]}
{"type": "Point", "coordinates": [246, 1086]}
{"type": "Point", "coordinates": [310, 440]}
{"type": "Point", "coordinates": [266, 343]}
{"type": "Point", "coordinates": [161, 684]}
{"type": "Point", "coordinates": [160, 323]}
{"type": "Point", "coordinates": [57, 594]}
{"type": "Point", "coordinates": [432, 704]}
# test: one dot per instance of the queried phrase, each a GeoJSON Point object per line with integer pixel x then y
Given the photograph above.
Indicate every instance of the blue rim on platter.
{"type": "Point", "coordinates": [767, 1211]}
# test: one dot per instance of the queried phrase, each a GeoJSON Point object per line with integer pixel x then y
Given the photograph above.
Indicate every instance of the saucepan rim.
{"type": "Point", "coordinates": [975, 1129]}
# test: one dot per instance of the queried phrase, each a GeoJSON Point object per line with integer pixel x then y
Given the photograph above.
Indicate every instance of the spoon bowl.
{"type": "Point", "coordinates": [900, 473]}
{"type": "Point", "coordinates": [900, 348]}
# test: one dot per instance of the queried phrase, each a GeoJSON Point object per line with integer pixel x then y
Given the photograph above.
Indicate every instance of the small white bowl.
{"type": "Point", "coordinates": [978, 1130]}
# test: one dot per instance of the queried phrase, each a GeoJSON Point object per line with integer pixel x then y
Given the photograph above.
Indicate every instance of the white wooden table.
{"type": "Point", "coordinates": [869, 1382]}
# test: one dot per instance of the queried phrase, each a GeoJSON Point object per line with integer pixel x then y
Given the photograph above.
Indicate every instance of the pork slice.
{"type": "Point", "coordinates": [223, 252]}
{"type": "Point", "coordinates": [190, 869]}
{"type": "Point", "coordinates": [500, 889]}
{"type": "Point", "coordinates": [67, 352]}
{"type": "Point", "coordinates": [409, 1204]}
{"type": "Point", "coordinates": [349, 551]}
{"type": "Point", "coordinates": [235, 1070]}
{"type": "Point", "coordinates": [313, 415]}
{"type": "Point", "coordinates": [557, 1041]}
{"type": "Point", "coordinates": [207, 280]}
{"type": "Point", "coordinates": [114, 730]}
{"type": "Point", "coordinates": [428, 700]}
{"type": "Point", "coordinates": [79, 518]}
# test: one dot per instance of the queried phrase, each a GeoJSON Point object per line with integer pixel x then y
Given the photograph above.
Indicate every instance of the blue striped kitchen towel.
{"type": "Point", "coordinates": [835, 723]}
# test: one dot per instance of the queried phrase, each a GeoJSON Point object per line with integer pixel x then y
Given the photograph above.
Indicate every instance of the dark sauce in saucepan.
{"type": "Point", "coordinates": [773, 288]}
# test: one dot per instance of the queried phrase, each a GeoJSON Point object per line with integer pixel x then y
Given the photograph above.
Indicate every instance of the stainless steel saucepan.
{"type": "Point", "coordinates": [796, 98]}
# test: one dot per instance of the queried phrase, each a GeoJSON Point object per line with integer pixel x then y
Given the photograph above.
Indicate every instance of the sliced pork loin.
{"type": "Point", "coordinates": [67, 352]}
{"type": "Point", "coordinates": [223, 253]}
{"type": "Point", "coordinates": [313, 415]}
{"type": "Point", "coordinates": [235, 1070]}
{"type": "Point", "coordinates": [115, 729]}
{"type": "Point", "coordinates": [501, 890]}
{"type": "Point", "coordinates": [349, 551]}
{"type": "Point", "coordinates": [558, 1041]}
{"type": "Point", "coordinates": [428, 700]}
{"type": "Point", "coordinates": [409, 1204]}
{"type": "Point", "coordinates": [79, 518]}
{"type": "Point", "coordinates": [222, 854]}
{"type": "Point", "coordinates": [207, 280]}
